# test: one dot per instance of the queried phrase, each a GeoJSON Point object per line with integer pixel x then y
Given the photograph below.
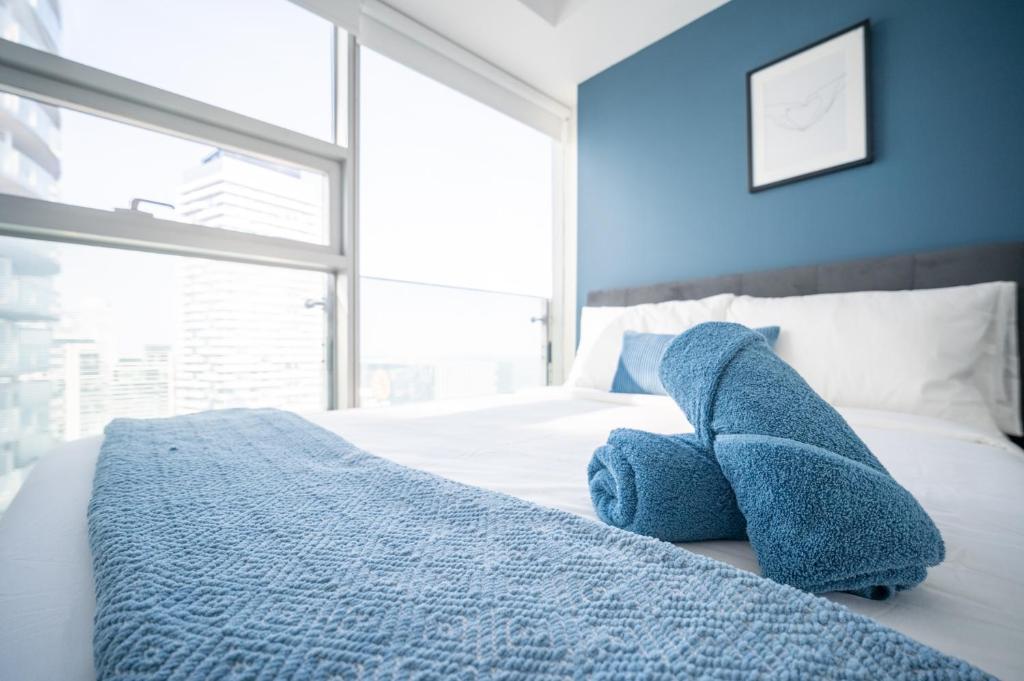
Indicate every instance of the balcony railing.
{"type": "Point", "coordinates": [423, 342]}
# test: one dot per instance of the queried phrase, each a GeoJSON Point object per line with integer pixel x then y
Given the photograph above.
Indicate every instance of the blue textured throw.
{"type": "Point", "coordinates": [822, 513]}
{"type": "Point", "coordinates": [254, 545]}
{"type": "Point", "coordinates": [640, 359]}
{"type": "Point", "coordinates": [664, 486]}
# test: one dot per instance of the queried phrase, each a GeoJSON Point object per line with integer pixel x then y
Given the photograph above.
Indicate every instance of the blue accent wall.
{"type": "Point", "coordinates": [663, 144]}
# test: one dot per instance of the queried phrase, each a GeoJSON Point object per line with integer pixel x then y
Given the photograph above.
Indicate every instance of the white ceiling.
{"type": "Point", "coordinates": [554, 44]}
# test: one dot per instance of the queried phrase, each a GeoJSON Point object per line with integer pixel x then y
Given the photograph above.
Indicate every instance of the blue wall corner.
{"type": "Point", "coordinates": [663, 155]}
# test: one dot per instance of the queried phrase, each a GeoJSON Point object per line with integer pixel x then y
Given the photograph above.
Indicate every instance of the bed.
{"type": "Point", "coordinates": [536, 446]}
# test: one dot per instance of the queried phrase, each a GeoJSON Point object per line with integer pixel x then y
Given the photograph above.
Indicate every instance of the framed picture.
{"type": "Point", "coordinates": [807, 112]}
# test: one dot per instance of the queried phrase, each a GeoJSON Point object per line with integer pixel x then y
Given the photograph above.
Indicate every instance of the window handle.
{"type": "Point", "coordinates": [541, 320]}
{"type": "Point", "coordinates": [137, 201]}
{"type": "Point", "coordinates": [311, 303]}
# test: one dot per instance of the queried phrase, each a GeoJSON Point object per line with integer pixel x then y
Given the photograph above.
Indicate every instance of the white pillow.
{"type": "Point", "coordinates": [948, 353]}
{"type": "Point", "coordinates": [601, 330]}
{"type": "Point", "coordinates": [593, 322]}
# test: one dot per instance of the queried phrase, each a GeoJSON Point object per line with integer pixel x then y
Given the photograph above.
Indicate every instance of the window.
{"type": "Point", "coordinates": [460, 197]}
{"type": "Point", "coordinates": [224, 297]}
{"type": "Point", "coordinates": [268, 59]}
{"type": "Point", "coordinates": [63, 155]}
{"type": "Point", "coordinates": [89, 334]}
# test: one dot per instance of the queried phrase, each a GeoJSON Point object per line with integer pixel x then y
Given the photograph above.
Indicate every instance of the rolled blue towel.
{"type": "Point", "coordinates": [664, 486]}
{"type": "Point", "coordinates": [820, 522]}
{"type": "Point", "coordinates": [822, 513]}
{"type": "Point", "coordinates": [727, 379]}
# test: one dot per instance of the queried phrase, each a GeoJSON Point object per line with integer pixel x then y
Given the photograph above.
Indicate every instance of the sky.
{"type": "Point", "coordinates": [452, 192]}
{"type": "Point", "coordinates": [264, 58]}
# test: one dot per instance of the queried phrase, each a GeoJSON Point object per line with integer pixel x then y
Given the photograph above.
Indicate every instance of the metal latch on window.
{"type": "Point", "coordinates": [136, 202]}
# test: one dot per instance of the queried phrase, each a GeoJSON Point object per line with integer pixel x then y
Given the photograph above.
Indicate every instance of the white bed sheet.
{"type": "Point", "coordinates": [536, 446]}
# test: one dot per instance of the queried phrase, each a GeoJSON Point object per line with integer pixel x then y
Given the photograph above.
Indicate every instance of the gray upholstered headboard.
{"type": "Point", "coordinates": [954, 267]}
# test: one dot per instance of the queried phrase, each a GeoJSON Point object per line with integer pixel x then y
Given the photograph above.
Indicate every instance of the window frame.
{"type": "Point", "coordinates": [57, 81]}
{"type": "Point", "coordinates": [60, 82]}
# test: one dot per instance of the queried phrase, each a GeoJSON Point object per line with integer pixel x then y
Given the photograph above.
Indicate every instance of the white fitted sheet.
{"type": "Point", "coordinates": [536, 446]}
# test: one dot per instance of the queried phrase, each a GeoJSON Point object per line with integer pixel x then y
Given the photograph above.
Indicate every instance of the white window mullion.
{"type": "Point", "coordinates": [38, 219]}
{"type": "Point", "coordinates": [347, 304]}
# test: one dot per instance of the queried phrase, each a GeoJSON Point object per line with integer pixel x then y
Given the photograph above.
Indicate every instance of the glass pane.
{"type": "Point", "coordinates": [67, 156]}
{"type": "Point", "coordinates": [467, 343]}
{"type": "Point", "coordinates": [268, 59]}
{"type": "Point", "coordinates": [88, 334]}
{"type": "Point", "coordinates": [457, 194]}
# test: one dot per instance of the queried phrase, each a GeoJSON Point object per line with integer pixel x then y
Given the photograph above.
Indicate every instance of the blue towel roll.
{"type": "Point", "coordinates": [664, 486]}
{"type": "Point", "coordinates": [820, 522]}
{"type": "Point", "coordinates": [727, 379]}
{"type": "Point", "coordinates": [822, 513]}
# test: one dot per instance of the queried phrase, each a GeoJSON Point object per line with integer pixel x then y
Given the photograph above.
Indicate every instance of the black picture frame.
{"type": "Point", "coordinates": [868, 156]}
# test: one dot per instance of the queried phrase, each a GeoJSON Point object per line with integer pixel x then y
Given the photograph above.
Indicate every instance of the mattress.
{"type": "Point", "coordinates": [536, 446]}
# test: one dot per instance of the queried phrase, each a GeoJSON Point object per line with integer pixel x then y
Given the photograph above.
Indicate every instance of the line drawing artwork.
{"type": "Point", "coordinates": [807, 112]}
{"type": "Point", "coordinates": [804, 114]}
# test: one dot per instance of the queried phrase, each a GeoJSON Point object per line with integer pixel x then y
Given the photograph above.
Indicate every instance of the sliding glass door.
{"type": "Point", "coordinates": [455, 242]}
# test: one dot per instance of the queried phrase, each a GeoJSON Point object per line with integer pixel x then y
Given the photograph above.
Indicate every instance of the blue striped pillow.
{"type": "Point", "coordinates": [641, 355]}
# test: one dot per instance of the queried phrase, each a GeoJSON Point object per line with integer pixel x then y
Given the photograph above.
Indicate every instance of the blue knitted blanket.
{"type": "Point", "coordinates": [254, 545]}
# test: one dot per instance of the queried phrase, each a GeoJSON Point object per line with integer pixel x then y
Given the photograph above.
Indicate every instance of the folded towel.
{"type": "Point", "coordinates": [664, 486]}
{"type": "Point", "coordinates": [822, 513]}
{"type": "Point", "coordinates": [820, 522]}
{"type": "Point", "coordinates": [727, 379]}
